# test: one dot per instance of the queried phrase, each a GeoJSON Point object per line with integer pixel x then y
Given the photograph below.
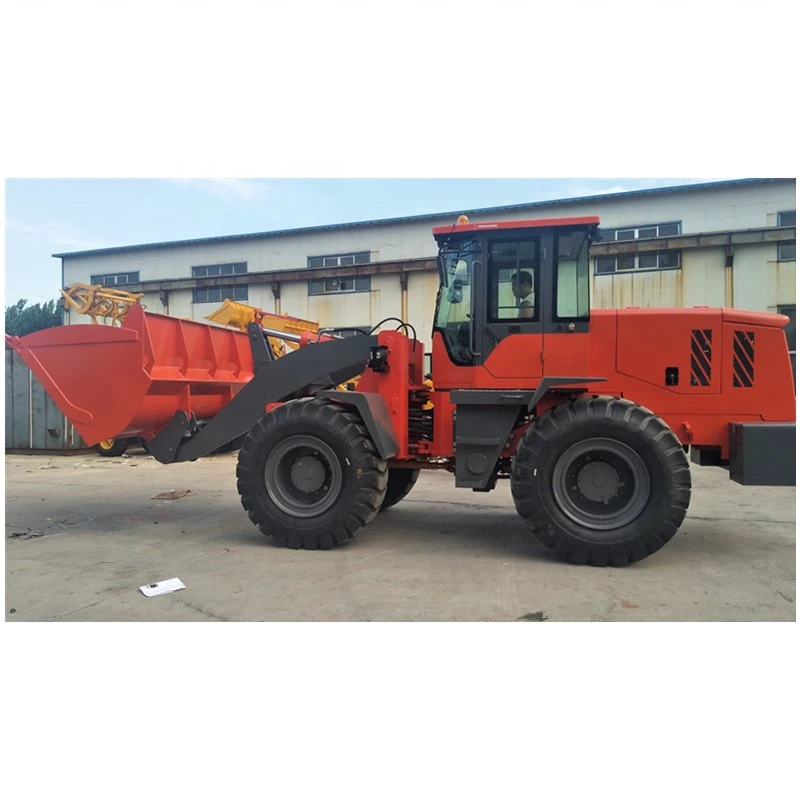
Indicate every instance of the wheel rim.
{"type": "Point", "coordinates": [106, 444]}
{"type": "Point", "coordinates": [601, 484]}
{"type": "Point", "coordinates": [303, 476]}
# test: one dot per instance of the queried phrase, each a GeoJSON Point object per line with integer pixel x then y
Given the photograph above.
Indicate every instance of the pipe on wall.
{"type": "Point", "coordinates": [729, 277]}
{"type": "Point", "coordinates": [276, 293]}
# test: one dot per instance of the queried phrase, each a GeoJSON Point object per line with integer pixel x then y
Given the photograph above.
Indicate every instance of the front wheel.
{"type": "Point", "coordinates": [601, 481]}
{"type": "Point", "coordinates": [309, 475]}
{"type": "Point", "coordinates": [111, 448]}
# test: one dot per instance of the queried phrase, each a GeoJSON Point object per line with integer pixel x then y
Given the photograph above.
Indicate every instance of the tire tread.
{"type": "Point", "coordinates": [370, 470]}
{"type": "Point", "coordinates": [557, 424]}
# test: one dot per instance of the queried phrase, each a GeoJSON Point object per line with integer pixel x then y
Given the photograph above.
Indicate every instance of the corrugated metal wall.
{"type": "Point", "coordinates": [33, 421]}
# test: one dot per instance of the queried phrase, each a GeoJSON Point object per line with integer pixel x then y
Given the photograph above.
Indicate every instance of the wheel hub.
{"type": "Point", "coordinates": [601, 484]}
{"type": "Point", "coordinates": [598, 481]}
{"type": "Point", "coordinates": [303, 476]}
{"type": "Point", "coordinates": [308, 474]}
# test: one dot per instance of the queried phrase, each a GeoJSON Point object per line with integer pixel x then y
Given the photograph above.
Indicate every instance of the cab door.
{"type": "Point", "coordinates": [509, 341]}
{"type": "Point", "coordinates": [566, 329]}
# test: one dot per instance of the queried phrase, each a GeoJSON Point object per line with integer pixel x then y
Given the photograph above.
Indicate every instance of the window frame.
{"type": "Point", "coordinates": [362, 284]}
{"type": "Point", "coordinates": [582, 260]}
{"type": "Point", "coordinates": [357, 256]}
{"type": "Point", "coordinates": [237, 268]}
{"type": "Point", "coordinates": [240, 289]}
{"type": "Point", "coordinates": [784, 256]}
{"type": "Point", "coordinates": [95, 279]}
{"type": "Point", "coordinates": [636, 268]}
{"type": "Point", "coordinates": [493, 282]}
{"type": "Point", "coordinates": [635, 230]}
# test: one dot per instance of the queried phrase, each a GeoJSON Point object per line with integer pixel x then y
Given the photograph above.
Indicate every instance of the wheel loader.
{"type": "Point", "coordinates": [591, 415]}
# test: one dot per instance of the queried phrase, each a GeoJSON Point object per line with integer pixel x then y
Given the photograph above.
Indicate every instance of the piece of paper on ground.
{"type": "Point", "coordinates": [162, 587]}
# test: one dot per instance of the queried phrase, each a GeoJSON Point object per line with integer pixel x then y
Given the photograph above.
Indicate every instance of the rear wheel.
{"type": "Point", "coordinates": [602, 481]}
{"type": "Point", "coordinates": [309, 475]}
{"type": "Point", "coordinates": [401, 482]}
{"type": "Point", "coordinates": [110, 448]}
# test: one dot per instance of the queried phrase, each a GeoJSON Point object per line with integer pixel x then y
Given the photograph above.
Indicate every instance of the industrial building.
{"type": "Point", "coordinates": [727, 243]}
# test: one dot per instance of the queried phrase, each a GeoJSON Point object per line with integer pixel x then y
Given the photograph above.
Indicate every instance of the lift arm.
{"type": "Point", "coordinates": [301, 373]}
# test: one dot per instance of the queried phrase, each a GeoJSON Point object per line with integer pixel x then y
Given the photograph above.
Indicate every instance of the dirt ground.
{"type": "Point", "coordinates": [83, 533]}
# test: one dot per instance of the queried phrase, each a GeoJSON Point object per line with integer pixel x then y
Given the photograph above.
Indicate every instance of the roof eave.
{"type": "Point", "coordinates": [418, 218]}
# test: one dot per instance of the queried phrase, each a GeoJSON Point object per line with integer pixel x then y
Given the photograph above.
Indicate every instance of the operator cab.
{"type": "Point", "coordinates": [500, 279]}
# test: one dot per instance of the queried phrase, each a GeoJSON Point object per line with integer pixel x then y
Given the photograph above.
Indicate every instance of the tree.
{"type": "Point", "coordinates": [22, 319]}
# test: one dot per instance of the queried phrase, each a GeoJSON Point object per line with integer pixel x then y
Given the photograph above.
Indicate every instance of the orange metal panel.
{"type": "Point", "coordinates": [405, 374]}
{"type": "Point", "coordinates": [131, 380]}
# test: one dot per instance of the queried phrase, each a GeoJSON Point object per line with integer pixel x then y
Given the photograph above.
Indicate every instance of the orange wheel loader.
{"type": "Point", "coordinates": [591, 415]}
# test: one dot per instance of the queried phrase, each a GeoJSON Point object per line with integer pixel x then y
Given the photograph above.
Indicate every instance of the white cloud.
{"type": "Point", "coordinates": [229, 189]}
{"type": "Point", "coordinates": [54, 231]}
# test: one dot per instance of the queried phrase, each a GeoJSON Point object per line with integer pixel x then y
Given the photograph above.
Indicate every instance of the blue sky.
{"type": "Point", "coordinates": [46, 216]}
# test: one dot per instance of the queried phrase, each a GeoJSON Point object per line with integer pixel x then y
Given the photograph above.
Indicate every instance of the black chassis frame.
{"type": "Point", "coordinates": [485, 419]}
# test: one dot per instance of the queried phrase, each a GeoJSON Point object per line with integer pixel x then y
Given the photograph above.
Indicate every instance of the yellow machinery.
{"type": "Point", "coordinates": [240, 315]}
{"type": "Point", "coordinates": [99, 302]}
{"type": "Point", "coordinates": [109, 306]}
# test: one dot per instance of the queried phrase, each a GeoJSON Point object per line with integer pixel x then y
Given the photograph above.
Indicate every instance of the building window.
{"type": "Point", "coordinates": [786, 251]}
{"type": "Point", "coordinates": [219, 270]}
{"type": "Point", "coordinates": [341, 260]}
{"type": "Point", "coordinates": [640, 232]}
{"type": "Point", "coordinates": [637, 262]}
{"type": "Point", "coordinates": [216, 294]}
{"type": "Point", "coordinates": [115, 279]}
{"type": "Point", "coordinates": [790, 311]}
{"type": "Point", "coordinates": [339, 285]}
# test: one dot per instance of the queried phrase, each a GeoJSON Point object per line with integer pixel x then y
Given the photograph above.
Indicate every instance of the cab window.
{"type": "Point", "coordinates": [513, 271]}
{"type": "Point", "coordinates": [572, 275]}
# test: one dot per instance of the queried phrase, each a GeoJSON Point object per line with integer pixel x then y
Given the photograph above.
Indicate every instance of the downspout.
{"type": "Point", "coordinates": [404, 296]}
{"type": "Point", "coordinates": [729, 276]}
{"type": "Point", "coordinates": [276, 293]}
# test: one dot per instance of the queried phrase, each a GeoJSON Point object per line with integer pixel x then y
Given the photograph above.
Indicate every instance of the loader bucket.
{"type": "Point", "coordinates": [130, 381]}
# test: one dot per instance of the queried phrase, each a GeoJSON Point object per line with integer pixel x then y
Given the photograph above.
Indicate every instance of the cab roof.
{"type": "Point", "coordinates": [445, 230]}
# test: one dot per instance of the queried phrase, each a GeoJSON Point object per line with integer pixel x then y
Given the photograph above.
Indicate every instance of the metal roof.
{"type": "Point", "coordinates": [420, 218]}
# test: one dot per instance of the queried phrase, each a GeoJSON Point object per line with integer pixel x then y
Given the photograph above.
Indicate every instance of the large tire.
{"type": "Point", "coordinates": [601, 481]}
{"type": "Point", "coordinates": [401, 482]}
{"type": "Point", "coordinates": [111, 448]}
{"type": "Point", "coordinates": [310, 476]}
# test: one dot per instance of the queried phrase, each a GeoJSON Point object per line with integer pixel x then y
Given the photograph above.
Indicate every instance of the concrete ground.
{"type": "Point", "coordinates": [84, 532]}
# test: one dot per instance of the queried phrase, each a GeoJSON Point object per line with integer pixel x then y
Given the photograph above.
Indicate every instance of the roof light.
{"type": "Point", "coordinates": [463, 220]}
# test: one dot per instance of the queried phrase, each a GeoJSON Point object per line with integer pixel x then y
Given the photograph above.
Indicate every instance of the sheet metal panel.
{"type": "Point", "coordinates": [20, 396]}
{"type": "Point", "coordinates": [33, 421]}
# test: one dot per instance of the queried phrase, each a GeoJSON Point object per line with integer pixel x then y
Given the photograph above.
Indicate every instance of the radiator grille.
{"type": "Point", "coordinates": [701, 358]}
{"type": "Point", "coordinates": [743, 358]}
